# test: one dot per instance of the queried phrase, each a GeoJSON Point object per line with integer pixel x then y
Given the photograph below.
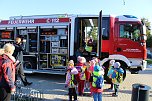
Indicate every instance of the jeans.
{"type": "Point", "coordinates": [97, 96]}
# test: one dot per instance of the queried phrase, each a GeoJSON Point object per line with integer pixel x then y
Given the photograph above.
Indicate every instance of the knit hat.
{"type": "Point", "coordinates": [116, 65]}
{"type": "Point", "coordinates": [92, 62]}
{"type": "Point", "coordinates": [71, 63]}
{"type": "Point", "coordinates": [81, 59]}
{"type": "Point", "coordinates": [112, 62]}
{"type": "Point", "coordinates": [97, 68]}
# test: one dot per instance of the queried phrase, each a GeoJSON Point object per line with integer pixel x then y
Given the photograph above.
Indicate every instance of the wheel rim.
{"type": "Point", "coordinates": [27, 65]}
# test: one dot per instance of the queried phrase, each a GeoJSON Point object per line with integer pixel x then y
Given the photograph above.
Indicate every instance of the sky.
{"type": "Point", "coordinates": [139, 8]}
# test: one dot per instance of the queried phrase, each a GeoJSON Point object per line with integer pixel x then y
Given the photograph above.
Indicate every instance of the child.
{"type": "Point", "coordinates": [96, 90]}
{"type": "Point", "coordinates": [117, 77]}
{"type": "Point", "coordinates": [70, 80]}
{"type": "Point", "coordinates": [87, 73]}
{"type": "Point", "coordinates": [91, 69]}
{"type": "Point", "coordinates": [110, 71]}
{"type": "Point", "coordinates": [81, 77]}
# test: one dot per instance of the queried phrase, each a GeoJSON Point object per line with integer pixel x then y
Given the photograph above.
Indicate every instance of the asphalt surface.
{"type": "Point", "coordinates": [53, 88]}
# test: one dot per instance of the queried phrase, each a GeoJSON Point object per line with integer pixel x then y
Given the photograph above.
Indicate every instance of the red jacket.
{"type": "Point", "coordinates": [79, 70]}
{"type": "Point", "coordinates": [96, 90]}
{"type": "Point", "coordinates": [88, 74]}
{"type": "Point", "coordinates": [8, 68]}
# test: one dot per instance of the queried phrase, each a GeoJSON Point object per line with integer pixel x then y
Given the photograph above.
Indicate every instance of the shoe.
{"type": "Point", "coordinates": [114, 94]}
{"type": "Point", "coordinates": [80, 94]}
{"type": "Point", "coordinates": [90, 95]}
{"type": "Point", "coordinates": [110, 89]}
{"type": "Point", "coordinates": [28, 84]}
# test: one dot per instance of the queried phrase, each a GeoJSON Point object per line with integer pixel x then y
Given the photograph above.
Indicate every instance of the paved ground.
{"type": "Point", "coordinates": [53, 86]}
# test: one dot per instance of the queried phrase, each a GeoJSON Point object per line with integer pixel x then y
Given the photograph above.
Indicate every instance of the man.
{"type": "Point", "coordinates": [18, 54]}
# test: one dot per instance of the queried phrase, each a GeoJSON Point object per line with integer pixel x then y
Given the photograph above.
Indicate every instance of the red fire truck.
{"type": "Point", "coordinates": [51, 40]}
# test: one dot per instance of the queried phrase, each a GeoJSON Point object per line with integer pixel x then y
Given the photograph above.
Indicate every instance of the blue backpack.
{"type": "Point", "coordinates": [99, 81]}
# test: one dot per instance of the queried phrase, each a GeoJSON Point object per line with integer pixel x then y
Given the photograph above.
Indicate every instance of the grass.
{"type": "Point", "coordinates": [149, 61]}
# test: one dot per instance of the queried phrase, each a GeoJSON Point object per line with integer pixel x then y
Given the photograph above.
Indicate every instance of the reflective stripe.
{"type": "Point", "coordinates": [71, 81]}
{"type": "Point", "coordinates": [99, 73]}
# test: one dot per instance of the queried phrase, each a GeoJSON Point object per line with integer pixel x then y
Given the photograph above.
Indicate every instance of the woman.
{"type": "Point", "coordinates": [7, 78]}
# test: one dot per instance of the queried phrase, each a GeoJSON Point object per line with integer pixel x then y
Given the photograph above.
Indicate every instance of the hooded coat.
{"type": "Point", "coordinates": [8, 69]}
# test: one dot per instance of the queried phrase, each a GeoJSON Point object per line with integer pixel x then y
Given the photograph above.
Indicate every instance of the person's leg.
{"type": "Point", "coordinates": [90, 88]}
{"type": "Point", "coordinates": [116, 90]}
{"type": "Point", "coordinates": [4, 95]}
{"type": "Point", "coordinates": [8, 98]}
{"type": "Point", "coordinates": [1, 94]}
{"type": "Point", "coordinates": [95, 96]}
{"type": "Point", "coordinates": [111, 87]}
{"type": "Point", "coordinates": [70, 94]}
{"type": "Point", "coordinates": [113, 94]}
{"type": "Point", "coordinates": [79, 87]}
{"type": "Point", "coordinates": [75, 94]}
{"type": "Point", "coordinates": [22, 76]}
{"type": "Point", "coordinates": [99, 96]}
{"type": "Point", "coordinates": [82, 86]}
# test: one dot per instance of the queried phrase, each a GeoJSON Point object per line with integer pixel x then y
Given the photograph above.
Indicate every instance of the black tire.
{"type": "Point", "coordinates": [124, 67]}
{"type": "Point", "coordinates": [108, 80]}
{"type": "Point", "coordinates": [29, 63]}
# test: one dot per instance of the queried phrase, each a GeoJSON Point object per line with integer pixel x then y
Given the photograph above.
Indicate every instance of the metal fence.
{"type": "Point", "coordinates": [26, 93]}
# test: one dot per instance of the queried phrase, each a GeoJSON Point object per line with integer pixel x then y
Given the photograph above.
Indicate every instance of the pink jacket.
{"type": "Point", "coordinates": [68, 76]}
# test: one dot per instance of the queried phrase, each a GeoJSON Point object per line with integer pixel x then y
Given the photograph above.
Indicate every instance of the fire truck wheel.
{"type": "Point", "coordinates": [124, 67]}
{"type": "Point", "coordinates": [28, 63]}
{"type": "Point", "coordinates": [106, 65]}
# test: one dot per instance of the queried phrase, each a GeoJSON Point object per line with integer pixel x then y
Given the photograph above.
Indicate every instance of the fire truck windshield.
{"type": "Point", "coordinates": [131, 31]}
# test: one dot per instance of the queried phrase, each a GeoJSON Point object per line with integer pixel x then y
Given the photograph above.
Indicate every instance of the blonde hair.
{"type": "Point", "coordinates": [9, 48]}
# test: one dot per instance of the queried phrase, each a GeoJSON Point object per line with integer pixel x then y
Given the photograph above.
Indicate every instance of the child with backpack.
{"type": "Point", "coordinates": [97, 84]}
{"type": "Point", "coordinates": [91, 69]}
{"type": "Point", "coordinates": [110, 71]}
{"type": "Point", "coordinates": [117, 77]}
{"type": "Point", "coordinates": [71, 80]}
{"type": "Point", "coordinates": [81, 77]}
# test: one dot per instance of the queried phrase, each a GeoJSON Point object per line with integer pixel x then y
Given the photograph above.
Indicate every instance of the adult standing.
{"type": "Point", "coordinates": [18, 54]}
{"type": "Point", "coordinates": [7, 76]}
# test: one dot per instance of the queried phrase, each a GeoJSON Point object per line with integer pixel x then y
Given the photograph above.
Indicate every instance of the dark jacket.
{"type": "Point", "coordinates": [8, 69]}
{"type": "Point", "coordinates": [18, 52]}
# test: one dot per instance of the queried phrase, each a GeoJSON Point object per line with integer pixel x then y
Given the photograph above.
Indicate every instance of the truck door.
{"type": "Point", "coordinates": [128, 40]}
{"type": "Point", "coordinates": [86, 36]}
